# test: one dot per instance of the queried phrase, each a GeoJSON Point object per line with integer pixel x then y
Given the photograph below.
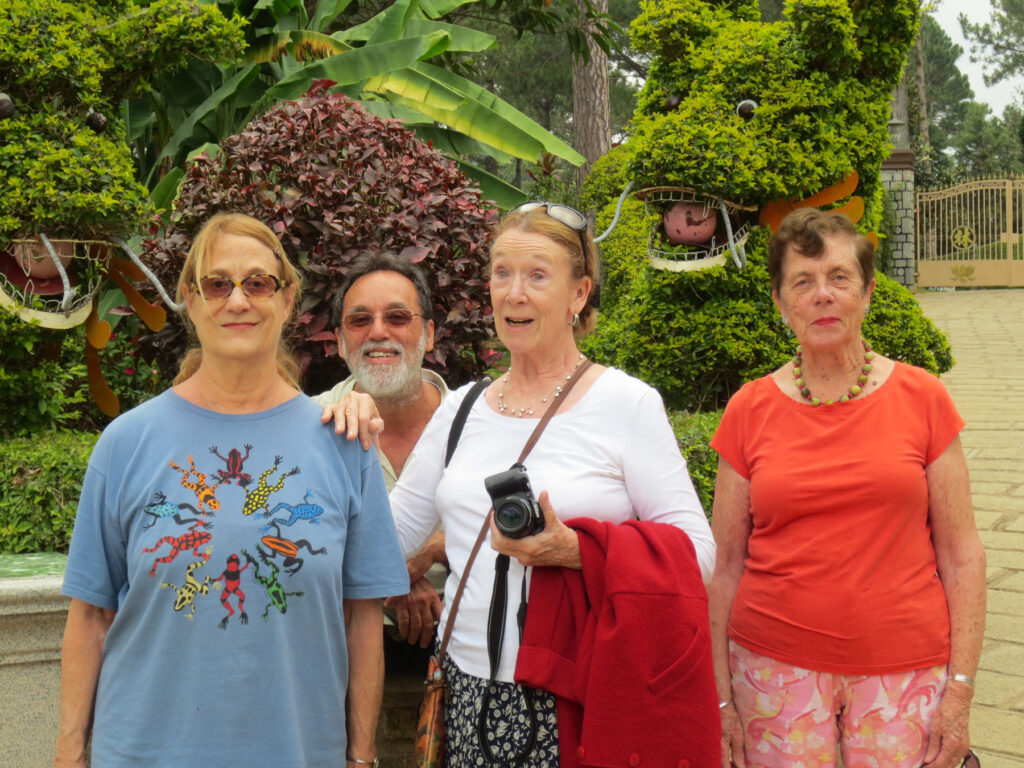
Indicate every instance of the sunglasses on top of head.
{"type": "Point", "coordinates": [254, 286]}
{"type": "Point", "coordinates": [393, 318]}
{"type": "Point", "coordinates": [563, 214]}
{"type": "Point", "coordinates": [557, 211]}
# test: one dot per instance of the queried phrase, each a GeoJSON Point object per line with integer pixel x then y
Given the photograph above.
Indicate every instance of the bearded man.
{"type": "Point", "coordinates": [382, 322]}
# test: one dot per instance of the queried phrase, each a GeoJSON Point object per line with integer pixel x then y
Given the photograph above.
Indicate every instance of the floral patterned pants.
{"type": "Point", "coordinates": [797, 718]}
{"type": "Point", "coordinates": [507, 723]}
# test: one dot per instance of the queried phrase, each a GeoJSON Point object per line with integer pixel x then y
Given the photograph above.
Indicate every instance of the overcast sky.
{"type": "Point", "coordinates": [946, 13]}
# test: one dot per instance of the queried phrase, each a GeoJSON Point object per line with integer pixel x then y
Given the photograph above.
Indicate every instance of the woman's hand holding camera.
{"type": "Point", "coordinates": [557, 544]}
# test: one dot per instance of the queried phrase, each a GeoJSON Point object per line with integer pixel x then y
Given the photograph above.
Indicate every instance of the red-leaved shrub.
{"type": "Point", "coordinates": [334, 181]}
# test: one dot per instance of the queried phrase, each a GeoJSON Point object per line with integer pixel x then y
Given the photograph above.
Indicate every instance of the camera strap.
{"type": "Point", "coordinates": [499, 606]}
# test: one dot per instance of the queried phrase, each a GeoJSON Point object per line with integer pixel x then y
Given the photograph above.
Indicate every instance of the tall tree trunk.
{"type": "Point", "coordinates": [922, 96]}
{"type": "Point", "coordinates": [591, 106]}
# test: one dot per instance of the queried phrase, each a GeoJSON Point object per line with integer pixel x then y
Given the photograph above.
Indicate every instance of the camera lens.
{"type": "Point", "coordinates": [512, 517]}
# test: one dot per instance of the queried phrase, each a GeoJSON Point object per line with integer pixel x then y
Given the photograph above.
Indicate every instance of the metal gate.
{"type": "Point", "coordinates": [971, 234]}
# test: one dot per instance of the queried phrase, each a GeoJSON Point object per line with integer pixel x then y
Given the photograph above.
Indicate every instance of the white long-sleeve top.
{"type": "Point", "coordinates": [612, 456]}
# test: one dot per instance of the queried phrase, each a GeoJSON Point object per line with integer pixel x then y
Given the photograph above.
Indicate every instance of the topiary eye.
{"type": "Point", "coordinates": [746, 109]}
{"type": "Point", "coordinates": [7, 108]}
{"type": "Point", "coordinates": [672, 102]}
{"type": "Point", "coordinates": [96, 121]}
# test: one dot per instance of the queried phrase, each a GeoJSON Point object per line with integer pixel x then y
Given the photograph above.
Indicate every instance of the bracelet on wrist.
{"type": "Point", "coordinates": [965, 679]}
{"type": "Point", "coordinates": [722, 704]}
{"type": "Point", "coordinates": [372, 763]}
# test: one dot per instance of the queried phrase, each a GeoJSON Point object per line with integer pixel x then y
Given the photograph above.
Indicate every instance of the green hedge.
{"type": "Point", "coordinates": [40, 387]}
{"type": "Point", "coordinates": [42, 480]}
{"type": "Point", "coordinates": [43, 380]}
{"type": "Point", "coordinates": [694, 432]}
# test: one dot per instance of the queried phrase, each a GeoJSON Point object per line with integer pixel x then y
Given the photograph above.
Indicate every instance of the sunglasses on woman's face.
{"type": "Point", "coordinates": [254, 286]}
{"type": "Point", "coordinates": [393, 318]}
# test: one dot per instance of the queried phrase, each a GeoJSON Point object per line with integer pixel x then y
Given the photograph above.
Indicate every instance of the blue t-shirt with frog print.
{"type": "Point", "coordinates": [226, 544]}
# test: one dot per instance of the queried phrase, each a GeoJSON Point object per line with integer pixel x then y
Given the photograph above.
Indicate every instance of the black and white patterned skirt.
{"type": "Point", "coordinates": [507, 723]}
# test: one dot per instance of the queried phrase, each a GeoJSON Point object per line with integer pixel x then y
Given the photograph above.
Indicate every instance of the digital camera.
{"type": "Point", "coordinates": [516, 511]}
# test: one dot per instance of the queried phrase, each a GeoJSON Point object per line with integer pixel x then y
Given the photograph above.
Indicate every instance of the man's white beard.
{"type": "Point", "coordinates": [399, 382]}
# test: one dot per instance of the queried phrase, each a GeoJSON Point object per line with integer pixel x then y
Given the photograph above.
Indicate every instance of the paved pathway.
{"type": "Point", "coordinates": [986, 329]}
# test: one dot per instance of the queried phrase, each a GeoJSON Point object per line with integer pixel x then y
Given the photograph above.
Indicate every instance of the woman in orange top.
{"type": "Point", "coordinates": [848, 599]}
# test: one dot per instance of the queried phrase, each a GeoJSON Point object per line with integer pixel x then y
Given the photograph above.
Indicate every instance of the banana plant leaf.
{"type": "Point", "coordinates": [273, 48]}
{"type": "Point", "coordinates": [209, 149]}
{"type": "Point", "coordinates": [166, 190]}
{"type": "Point", "coordinates": [471, 90]}
{"type": "Point", "coordinates": [326, 12]}
{"type": "Point", "coordinates": [467, 108]}
{"type": "Point", "coordinates": [237, 83]}
{"type": "Point", "coordinates": [462, 38]}
{"type": "Point", "coordinates": [394, 21]}
{"type": "Point", "coordinates": [503, 194]}
{"type": "Point", "coordinates": [435, 9]}
{"type": "Point", "coordinates": [443, 139]}
{"type": "Point", "coordinates": [360, 63]}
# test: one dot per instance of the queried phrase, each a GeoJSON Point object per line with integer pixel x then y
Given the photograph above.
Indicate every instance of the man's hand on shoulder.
{"type": "Point", "coordinates": [355, 415]}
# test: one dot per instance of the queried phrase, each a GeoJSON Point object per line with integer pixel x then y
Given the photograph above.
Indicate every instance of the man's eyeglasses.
{"type": "Point", "coordinates": [393, 318]}
{"type": "Point", "coordinates": [253, 286]}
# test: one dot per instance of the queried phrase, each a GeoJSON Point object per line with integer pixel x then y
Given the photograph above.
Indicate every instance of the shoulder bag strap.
{"type": "Point", "coordinates": [453, 442]}
{"type": "Point", "coordinates": [550, 412]}
{"type": "Point", "coordinates": [460, 418]}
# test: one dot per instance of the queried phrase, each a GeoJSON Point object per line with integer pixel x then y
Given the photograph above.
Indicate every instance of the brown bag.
{"type": "Point", "coordinates": [430, 724]}
{"type": "Point", "coordinates": [429, 747]}
{"type": "Point", "coordinates": [430, 729]}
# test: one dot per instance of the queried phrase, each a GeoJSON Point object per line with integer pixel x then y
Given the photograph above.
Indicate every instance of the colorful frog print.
{"type": "Point", "coordinates": [289, 549]}
{"type": "Point", "coordinates": [187, 593]}
{"type": "Point", "coordinates": [204, 493]}
{"type": "Point", "coordinates": [234, 463]}
{"type": "Point", "coordinates": [231, 577]}
{"type": "Point", "coordinates": [259, 497]}
{"type": "Point", "coordinates": [197, 537]}
{"type": "Point", "coordinates": [303, 511]}
{"type": "Point", "coordinates": [161, 508]}
{"type": "Point", "coordinates": [275, 591]}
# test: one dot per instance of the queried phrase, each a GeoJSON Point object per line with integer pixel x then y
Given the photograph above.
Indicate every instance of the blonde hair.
{"type": "Point", "coordinates": [195, 262]}
{"type": "Point", "coordinates": [582, 263]}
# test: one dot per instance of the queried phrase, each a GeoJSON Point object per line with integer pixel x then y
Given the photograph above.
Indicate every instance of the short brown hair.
{"type": "Point", "coordinates": [582, 263]}
{"type": "Point", "coordinates": [195, 262]}
{"type": "Point", "coordinates": [805, 230]}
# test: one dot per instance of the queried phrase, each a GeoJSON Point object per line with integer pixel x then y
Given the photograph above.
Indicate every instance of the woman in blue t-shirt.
{"type": "Point", "coordinates": [230, 555]}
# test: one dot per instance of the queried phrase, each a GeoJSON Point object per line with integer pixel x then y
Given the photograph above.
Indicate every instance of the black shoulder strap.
{"type": "Point", "coordinates": [460, 418]}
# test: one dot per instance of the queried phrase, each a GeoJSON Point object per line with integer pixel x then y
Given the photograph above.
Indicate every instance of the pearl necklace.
{"type": "Point", "coordinates": [522, 413]}
{"type": "Point", "coordinates": [856, 389]}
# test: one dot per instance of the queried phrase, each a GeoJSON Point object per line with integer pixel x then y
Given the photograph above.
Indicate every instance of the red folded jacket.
{"type": "Point", "coordinates": [625, 647]}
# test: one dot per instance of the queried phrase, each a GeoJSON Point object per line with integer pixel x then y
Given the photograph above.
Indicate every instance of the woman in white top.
{"type": "Point", "coordinates": [609, 454]}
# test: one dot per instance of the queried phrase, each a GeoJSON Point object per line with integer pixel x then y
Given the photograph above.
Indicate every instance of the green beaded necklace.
{"type": "Point", "coordinates": [856, 389]}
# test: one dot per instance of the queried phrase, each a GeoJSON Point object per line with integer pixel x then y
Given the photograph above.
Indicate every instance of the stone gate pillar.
{"type": "Point", "coordinates": [898, 180]}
